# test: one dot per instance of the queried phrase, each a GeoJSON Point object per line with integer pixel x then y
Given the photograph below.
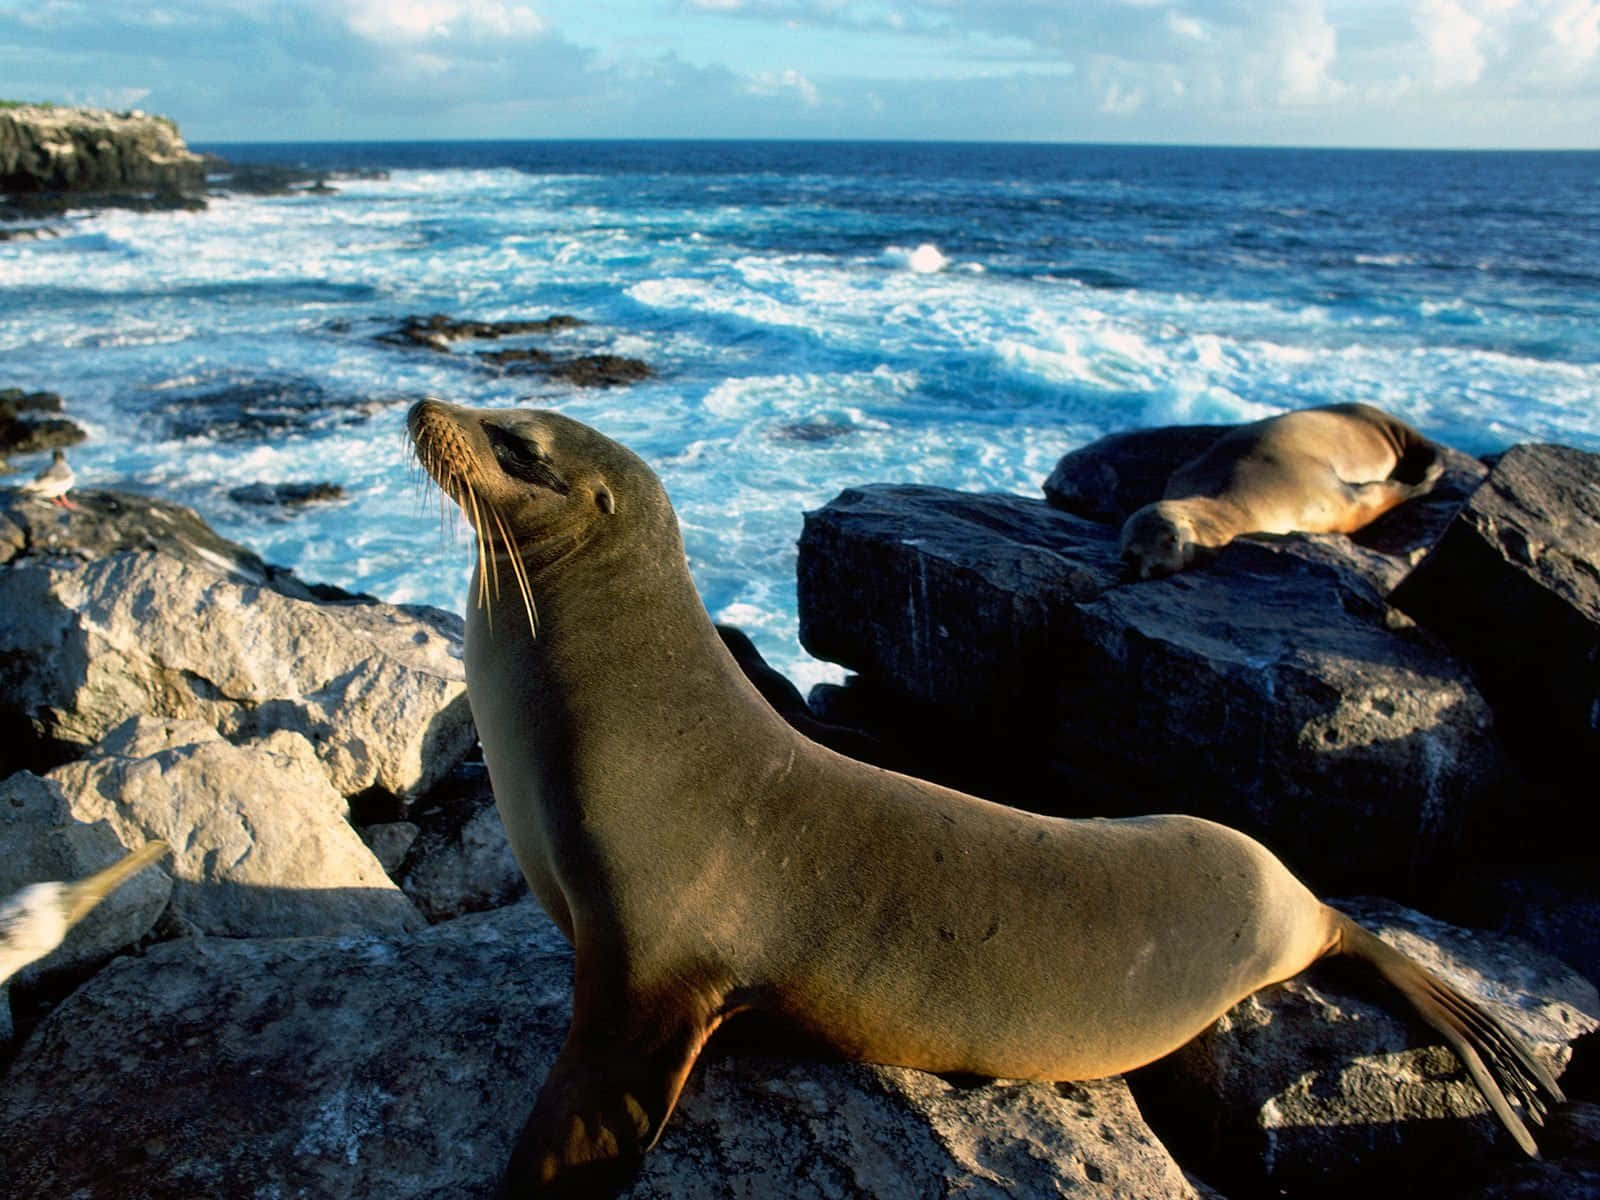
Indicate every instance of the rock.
{"type": "Point", "coordinates": [1321, 1085]}
{"type": "Point", "coordinates": [44, 148]}
{"type": "Point", "coordinates": [405, 1066]}
{"type": "Point", "coordinates": [45, 841]}
{"type": "Point", "coordinates": [1268, 690]}
{"type": "Point", "coordinates": [463, 862]}
{"type": "Point", "coordinates": [233, 408]}
{"type": "Point", "coordinates": [260, 844]}
{"type": "Point", "coordinates": [379, 690]}
{"type": "Point", "coordinates": [285, 495]}
{"type": "Point", "coordinates": [1555, 906]}
{"type": "Point", "coordinates": [437, 331]}
{"type": "Point", "coordinates": [601, 370]}
{"type": "Point", "coordinates": [390, 842]}
{"type": "Point", "coordinates": [106, 523]}
{"type": "Point", "coordinates": [24, 434]}
{"type": "Point", "coordinates": [1513, 588]}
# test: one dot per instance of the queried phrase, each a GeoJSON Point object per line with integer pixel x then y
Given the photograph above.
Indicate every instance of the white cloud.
{"type": "Point", "coordinates": [1451, 35]}
{"type": "Point", "coordinates": [780, 82]}
{"type": "Point", "coordinates": [438, 20]}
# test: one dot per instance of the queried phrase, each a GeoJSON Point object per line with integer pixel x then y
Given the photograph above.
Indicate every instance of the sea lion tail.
{"type": "Point", "coordinates": [1495, 1057]}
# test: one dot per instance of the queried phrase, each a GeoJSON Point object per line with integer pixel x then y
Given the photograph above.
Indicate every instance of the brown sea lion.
{"type": "Point", "coordinates": [1319, 470]}
{"type": "Point", "coordinates": [706, 860]}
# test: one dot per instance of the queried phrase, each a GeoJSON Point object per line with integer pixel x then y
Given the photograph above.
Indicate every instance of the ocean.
{"type": "Point", "coordinates": [818, 315]}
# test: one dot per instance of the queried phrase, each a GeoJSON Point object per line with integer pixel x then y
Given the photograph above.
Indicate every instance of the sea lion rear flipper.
{"type": "Point", "coordinates": [1495, 1057]}
{"type": "Point", "coordinates": [602, 1107]}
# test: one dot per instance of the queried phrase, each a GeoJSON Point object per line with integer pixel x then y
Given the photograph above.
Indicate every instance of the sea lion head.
{"type": "Point", "coordinates": [535, 486]}
{"type": "Point", "coordinates": [1157, 540]}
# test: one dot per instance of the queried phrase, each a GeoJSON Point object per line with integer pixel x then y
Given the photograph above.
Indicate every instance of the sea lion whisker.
{"type": "Point", "coordinates": [520, 571]}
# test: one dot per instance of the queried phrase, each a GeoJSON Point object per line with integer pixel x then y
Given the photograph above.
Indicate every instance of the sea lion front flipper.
{"type": "Point", "coordinates": [604, 1104]}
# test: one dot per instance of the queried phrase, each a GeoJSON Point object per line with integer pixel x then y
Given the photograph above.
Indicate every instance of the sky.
{"type": "Point", "coordinates": [1509, 74]}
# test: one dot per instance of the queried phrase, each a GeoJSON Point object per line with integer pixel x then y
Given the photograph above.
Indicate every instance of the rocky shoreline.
{"type": "Point", "coordinates": [338, 986]}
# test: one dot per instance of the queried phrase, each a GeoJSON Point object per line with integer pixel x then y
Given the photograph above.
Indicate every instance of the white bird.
{"type": "Point", "coordinates": [36, 920]}
{"type": "Point", "coordinates": [54, 482]}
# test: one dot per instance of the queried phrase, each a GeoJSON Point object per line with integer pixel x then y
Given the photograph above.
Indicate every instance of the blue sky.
{"type": "Point", "coordinates": [1449, 73]}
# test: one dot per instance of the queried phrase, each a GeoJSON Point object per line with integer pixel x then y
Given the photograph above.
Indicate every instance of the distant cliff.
{"type": "Point", "coordinates": [48, 149]}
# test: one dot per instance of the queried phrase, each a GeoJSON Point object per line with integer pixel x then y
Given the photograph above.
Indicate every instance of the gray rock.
{"type": "Point", "coordinates": [44, 841]}
{"type": "Point", "coordinates": [404, 1067]}
{"type": "Point", "coordinates": [390, 842]}
{"type": "Point", "coordinates": [379, 690]}
{"type": "Point", "coordinates": [1271, 690]}
{"type": "Point", "coordinates": [1313, 1087]}
{"type": "Point", "coordinates": [466, 869]}
{"type": "Point", "coordinates": [1513, 587]}
{"type": "Point", "coordinates": [260, 842]}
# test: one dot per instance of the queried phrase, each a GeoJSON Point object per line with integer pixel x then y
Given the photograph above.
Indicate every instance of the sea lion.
{"type": "Point", "coordinates": [1319, 470]}
{"type": "Point", "coordinates": [706, 860]}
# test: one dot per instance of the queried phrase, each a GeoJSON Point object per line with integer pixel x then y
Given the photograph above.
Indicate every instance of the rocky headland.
{"type": "Point", "coordinates": [337, 986]}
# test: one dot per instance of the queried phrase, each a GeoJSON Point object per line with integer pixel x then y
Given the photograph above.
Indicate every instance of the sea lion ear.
{"type": "Point", "coordinates": [604, 500]}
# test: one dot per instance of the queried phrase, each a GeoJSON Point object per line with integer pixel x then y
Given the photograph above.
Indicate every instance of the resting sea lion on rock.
{"type": "Point", "coordinates": [706, 860]}
{"type": "Point", "coordinates": [1319, 470]}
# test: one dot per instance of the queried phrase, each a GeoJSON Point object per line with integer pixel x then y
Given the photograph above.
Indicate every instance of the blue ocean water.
{"type": "Point", "coordinates": [819, 315]}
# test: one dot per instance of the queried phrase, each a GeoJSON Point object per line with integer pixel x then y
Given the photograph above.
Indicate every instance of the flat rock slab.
{"type": "Point", "coordinates": [404, 1066]}
{"type": "Point", "coordinates": [1271, 690]}
{"type": "Point", "coordinates": [1513, 587]}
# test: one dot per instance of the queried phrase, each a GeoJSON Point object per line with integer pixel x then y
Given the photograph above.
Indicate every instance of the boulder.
{"type": "Point", "coordinates": [1272, 690]}
{"type": "Point", "coordinates": [1513, 588]}
{"type": "Point", "coordinates": [200, 630]}
{"type": "Point", "coordinates": [21, 432]}
{"type": "Point", "coordinates": [461, 861]}
{"type": "Point", "coordinates": [260, 843]}
{"type": "Point", "coordinates": [45, 148]}
{"type": "Point", "coordinates": [405, 1066]}
{"type": "Point", "coordinates": [1316, 1087]}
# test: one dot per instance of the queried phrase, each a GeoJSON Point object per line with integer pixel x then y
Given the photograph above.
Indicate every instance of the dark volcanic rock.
{"type": "Point", "coordinates": [251, 408]}
{"type": "Point", "coordinates": [1268, 691]}
{"type": "Point", "coordinates": [601, 370]}
{"type": "Point", "coordinates": [1513, 587]}
{"type": "Point", "coordinates": [48, 149]}
{"type": "Point", "coordinates": [283, 495]}
{"type": "Point", "coordinates": [437, 331]}
{"type": "Point", "coordinates": [23, 434]}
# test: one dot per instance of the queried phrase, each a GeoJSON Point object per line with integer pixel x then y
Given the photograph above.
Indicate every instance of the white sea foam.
{"type": "Point", "coordinates": [785, 374]}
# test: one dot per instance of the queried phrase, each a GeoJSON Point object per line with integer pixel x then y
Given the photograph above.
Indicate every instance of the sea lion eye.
{"type": "Point", "coordinates": [523, 460]}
